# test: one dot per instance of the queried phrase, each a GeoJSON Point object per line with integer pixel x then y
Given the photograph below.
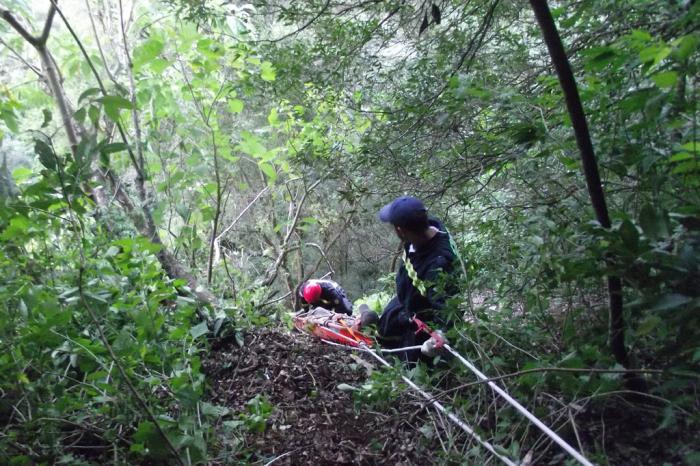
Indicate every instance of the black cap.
{"type": "Point", "coordinates": [402, 211]}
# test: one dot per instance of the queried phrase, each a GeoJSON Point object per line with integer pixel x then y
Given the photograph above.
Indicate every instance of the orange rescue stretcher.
{"type": "Point", "coordinates": [331, 326]}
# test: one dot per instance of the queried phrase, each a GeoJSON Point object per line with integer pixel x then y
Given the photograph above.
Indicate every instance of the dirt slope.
{"type": "Point", "coordinates": [312, 421]}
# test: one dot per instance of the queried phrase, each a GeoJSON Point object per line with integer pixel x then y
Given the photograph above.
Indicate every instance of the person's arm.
{"type": "Point", "coordinates": [345, 306]}
{"type": "Point", "coordinates": [341, 303]}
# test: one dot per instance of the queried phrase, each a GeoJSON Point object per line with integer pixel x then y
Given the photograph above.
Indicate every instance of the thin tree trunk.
{"type": "Point", "coordinates": [590, 166]}
{"type": "Point", "coordinates": [142, 218]}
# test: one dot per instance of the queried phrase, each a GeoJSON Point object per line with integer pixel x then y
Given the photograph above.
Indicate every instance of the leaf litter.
{"type": "Point", "coordinates": [313, 418]}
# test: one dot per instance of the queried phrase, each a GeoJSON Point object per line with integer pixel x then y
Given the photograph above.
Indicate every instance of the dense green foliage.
{"type": "Point", "coordinates": [225, 153]}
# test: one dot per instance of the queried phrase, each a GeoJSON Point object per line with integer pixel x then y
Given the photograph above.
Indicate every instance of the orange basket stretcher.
{"type": "Point", "coordinates": [331, 326]}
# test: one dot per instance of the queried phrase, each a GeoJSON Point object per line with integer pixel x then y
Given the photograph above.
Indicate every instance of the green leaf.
{"type": "Point", "coordinates": [88, 93]}
{"type": "Point", "coordinates": [665, 79]}
{"type": "Point", "coordinates": [113, 147]}
{"type": "Point", "coordinates": [669, 301]}
{"type": "Point", "coordinates": [215, 411]}
{"type": "Point", "coordinates": [19, 226]}
{"type": "Point", "coordinates": [653, 222]}
{"type": "Point", "coordinates": [158, 65]}
{"type": "Point", "coordinates": [692, 146]}
{"type": "Point", "coordinates": [20, 174]}
{"type": "Point", "coordinates": [629, 235]}
{"type": "Point", "coordinates": [47, 157]}
{"type": "Point", "coordinates": [685, 46]}
{"type": "Point", "coordinates": [686, 167]}
{"type": "Point", "coordinates": [267, 71]}
{"type": "Point", "coordinates": [94, 114]}
{"type": "Point", "coordinates": [681, 156]}
{"type": "Point", "coordinates": [251, 145]}
{"type": "Point", "coordinates": [692, 458]}
{"type": "Point", "coordinates": [10, 120]}
{"type": "Point", "coordinates": [146, 52]}
{"type": "Point", "coordinates": [273, 118]}
{"type": "Point", "coordinates": [235, 105]}
{"type": "Point", "coordinates": [47, 117]}
{"type": "Point", "coordinates": [648, 324]}
{"type": "Point", "coordinates": [269, 171]}
{"type": "Point", "coordinates": [148, 435]}
{"type": "Point", "coordinates": [113, 104]}
{"type": "Point", "coordinates": [654, 54]}
{"type": "Point", "coordinates": [199, 330]}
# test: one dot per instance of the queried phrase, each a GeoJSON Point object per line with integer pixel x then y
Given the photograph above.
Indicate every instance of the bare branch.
{"type": "Point", "coordinates": [97, 41]}
{"type": "Point", "coordinates": [9, 17]}
{"type": "Point", "coordinates": [47, 25]}
{"type": "Point", "coordinates": [323, 254]}
{"type": "Point", "coordinates": [272, 271]}
{"type": "Point", "coordinates": [36, 70]}
{"type": "Point", "coordinates": [217, 254]}
{"type": "Point", "coordinates": [308, 23]}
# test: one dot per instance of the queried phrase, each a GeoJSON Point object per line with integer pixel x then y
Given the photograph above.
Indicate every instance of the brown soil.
{"type": "Point", "coordinates": [312, 421]}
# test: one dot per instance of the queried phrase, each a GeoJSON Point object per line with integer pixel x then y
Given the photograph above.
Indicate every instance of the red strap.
{"type": "Point", "coordinates": [423, 327]}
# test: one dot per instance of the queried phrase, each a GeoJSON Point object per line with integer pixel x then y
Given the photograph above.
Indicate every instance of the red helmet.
{"type": "Point", "coordinates": [312, 292]}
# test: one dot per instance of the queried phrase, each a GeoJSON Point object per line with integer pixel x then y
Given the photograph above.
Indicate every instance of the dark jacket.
{"type": "Point", "coordinates": [333, 297]}
{"type": "Point", "coordinates": [430, 262]}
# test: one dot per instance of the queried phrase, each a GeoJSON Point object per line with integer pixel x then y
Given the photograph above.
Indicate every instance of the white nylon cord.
{"type": "Point", "coordinates": [431, 399]}
{"type": "Point", "coordinates": [462, 425]}
{"type": "Point", "coordinates": [383, 351]}
{"type": "Point", "coordinates": [513, 402]}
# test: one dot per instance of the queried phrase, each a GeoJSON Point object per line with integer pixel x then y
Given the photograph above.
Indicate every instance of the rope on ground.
{"type": "Point", "coordinates": [510, 400]}
{"type": "Point", "coordinates": [461, 424]}
{"type": "Point", "coordinates": [513, 402]}
{"type": "Point", "coordinates": [363, 350]}
{"type": "Point", "coordinates": [429, 398]}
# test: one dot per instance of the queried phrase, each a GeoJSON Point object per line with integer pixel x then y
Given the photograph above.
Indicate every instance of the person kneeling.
{"type": "Point", "coordinates": [428, 257]}
{"type": "Point", "coordinates": [324, 293]}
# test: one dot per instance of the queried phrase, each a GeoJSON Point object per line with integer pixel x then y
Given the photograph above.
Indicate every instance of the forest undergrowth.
{"type": "Point", "coordinates": [172, 170]}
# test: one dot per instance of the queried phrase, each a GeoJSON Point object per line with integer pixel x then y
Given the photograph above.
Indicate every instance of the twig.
{"type": "Point", "coordinates": [280, 457]}
{"type": "Point", "coordinates": [552, 369]}
{"type": "Point", "coordinates": [323, 254]}
{"type": "Point", "coordinates": [228, 228]}
{"type": "Point", "coordinates": [20, 58]}
{"type": "Point", "coordinates": [141, 165]}
{"type": "Point", "coordinates": [272, 271]}
{"type": "Point", "coordinates": [273, 301]}
{"type": "Point", "coordinates": [99, 44]}
{"type": "Point", "coordinates": [308, 23]}
{"type": "Point", "coordinates": [328, 246]}
{"type": "Point", "coordinates": [486, 327]}
{"type": "Point", "coordinates": [573, 426]}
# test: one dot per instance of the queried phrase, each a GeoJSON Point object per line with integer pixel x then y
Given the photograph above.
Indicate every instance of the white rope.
{"type": "Point", "coordinates": [549, 432]}
{"type": "Point", "coordinates": [383, 351]}
{"type": "Point", "coordinates": [462, 425]}
{"type": "Point", "coordinates": [431, 399]}
{"type": "Point", "coordinates": [513, 402]}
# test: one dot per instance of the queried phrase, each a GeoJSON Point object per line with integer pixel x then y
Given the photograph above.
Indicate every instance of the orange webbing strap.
{"type": "Point", "coordinates": [351, 332]}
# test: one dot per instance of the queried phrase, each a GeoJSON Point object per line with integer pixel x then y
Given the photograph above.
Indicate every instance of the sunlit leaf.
{"type": "Point", "coordinates": [235, 105]}
{"type": "Point", "coordinates": [267, 71]}
{"type": "Point", "coordinates": [113, 104]}
{"type": "Point", "coordinates": [146, 52]}
{"type": "Point", "coordinates": [665, 79]}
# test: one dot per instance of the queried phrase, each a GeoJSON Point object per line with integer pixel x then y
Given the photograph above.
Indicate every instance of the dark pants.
{"type": "Point", "coordinates": [397, 331]}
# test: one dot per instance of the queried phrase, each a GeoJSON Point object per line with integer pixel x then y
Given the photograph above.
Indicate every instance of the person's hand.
{"type": "Point", "coordinates": [432, 346]}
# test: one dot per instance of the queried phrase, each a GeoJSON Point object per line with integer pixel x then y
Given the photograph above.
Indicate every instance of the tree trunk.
{"type": "Point", "coordinates": [142, 218]}
{"type": "Point", "coordinates": [590, 166]}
